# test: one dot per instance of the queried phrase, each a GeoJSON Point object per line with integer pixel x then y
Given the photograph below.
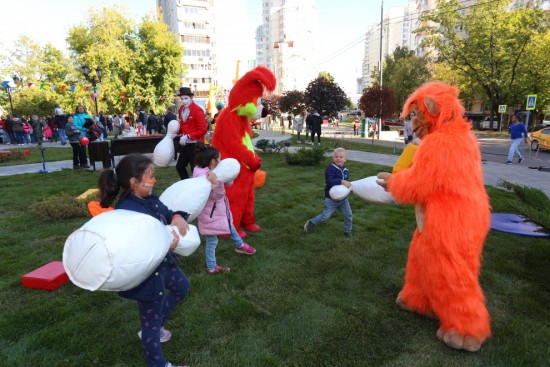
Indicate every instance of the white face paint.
{"type": "Point", "coordinates": [259, 109]}
{"type": "Point", "coordinates": [186, 101]}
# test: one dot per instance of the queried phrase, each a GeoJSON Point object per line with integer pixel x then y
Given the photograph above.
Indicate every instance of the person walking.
{"type": "Point", "coordinates": [79, 151]}
{"type": "Point", "coordinates": [60, 121]}
{"type": "Point", "coordinates": [517, 129]}
{"type": "Point", "coordinates": [316, 123]}
{"type": "Point", "coordinates": [298, 125]}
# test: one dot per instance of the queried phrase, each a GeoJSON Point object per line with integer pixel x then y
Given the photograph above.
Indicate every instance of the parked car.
{"type": "Point", "coordinates": [540, 139]}
{"type": "Point", "coordinates": [485, 124]}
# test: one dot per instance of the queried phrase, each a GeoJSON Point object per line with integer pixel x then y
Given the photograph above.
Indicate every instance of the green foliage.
{"type": "Point", "coordinates": [488, 44]}
{"type": "Point", "coordinates": [15, 156]}
{"type": "Point", "coordinates": [533, 202]}
{"type": "Point", "coordinates": [404, 71]}
{"type": "Point", "coordinates": [306, 157]}
{"type": "Point", "coordinates": [325, 96]}
{"type": "Point", "coordinates": [59, 207]}
{"type": "Point", "coordinates": [273, 146]}
{"type": "Point", "coordinates": [293, 102]}
{"type": "Point", "coordinates": [378, 102]}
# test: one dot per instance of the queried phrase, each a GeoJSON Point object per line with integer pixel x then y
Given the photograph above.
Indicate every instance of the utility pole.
{"type": "Point", "coordinates": [380, 62]}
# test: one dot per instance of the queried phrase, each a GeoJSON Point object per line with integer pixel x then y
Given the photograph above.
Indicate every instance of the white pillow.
{"type": "Point", "coordinates": [115, 250]}
{"type": "Point", "coordinates": [368, 189]}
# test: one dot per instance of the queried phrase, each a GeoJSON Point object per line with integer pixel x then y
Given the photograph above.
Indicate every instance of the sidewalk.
{"type": "Point", "coordinates": [492, 172]}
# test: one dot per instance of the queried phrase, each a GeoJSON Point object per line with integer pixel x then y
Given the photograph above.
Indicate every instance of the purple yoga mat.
{"type": "Point", "coordinates": [517, 224]}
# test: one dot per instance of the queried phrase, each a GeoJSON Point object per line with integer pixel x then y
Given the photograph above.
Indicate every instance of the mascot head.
{"type": "Point", "coordinates": [432, 105]}
{"type": "Point", "coordinates": [245, 95]}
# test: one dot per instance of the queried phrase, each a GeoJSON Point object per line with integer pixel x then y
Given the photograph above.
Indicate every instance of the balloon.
{"type": "Point", "coordinates": [84, 141]}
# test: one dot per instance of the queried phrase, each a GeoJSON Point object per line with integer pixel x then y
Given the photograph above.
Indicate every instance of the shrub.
{"type": "Point", "coordinates": [13, 155]}
{"type": "Point", "coordinates": [59, 207]}
{"type": "Point", "coordinates": [273, 146]}
{"type": "Point", "coordinates": [306, 157]}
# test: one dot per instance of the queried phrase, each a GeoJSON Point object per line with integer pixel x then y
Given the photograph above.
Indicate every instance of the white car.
{"type": "Point", "coordinates": [485, 124]}
{"type": "Point", "coordinates": [546, 123]}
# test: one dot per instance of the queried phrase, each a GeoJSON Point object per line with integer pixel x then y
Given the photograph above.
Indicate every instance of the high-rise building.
{"type": "Point", "coordinates": [193, 21]}
{"type": "Point", "coordinates": [398, 30]}
{"type": "Point", "coordinates": [285, 42]}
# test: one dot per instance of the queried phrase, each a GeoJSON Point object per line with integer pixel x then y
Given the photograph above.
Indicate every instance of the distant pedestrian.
{"type": "Point", "coordinates": [316, 122]}
{"type": "Point", "coordinates": [516, 130]}
{"type": "Point", "coordinates": [60, 121]}
{"type": "Point", "coordinates": [408, 134]}
{"type": "Point", "coordinates": [356, 126]}
{"type": "Point", "coordinates": [298, 125]}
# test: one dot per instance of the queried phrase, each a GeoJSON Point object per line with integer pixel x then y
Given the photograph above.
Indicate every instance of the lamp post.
{"type": "Point", "coordinates": [99, 73]}
{"type": "Point", "coordinates": [9, 89]}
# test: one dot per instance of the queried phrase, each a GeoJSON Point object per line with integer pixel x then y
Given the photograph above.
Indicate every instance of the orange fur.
{"type": "Point", "coordinates": [228, 138]}
{"type": "Point", "coordinates": [445, 182]}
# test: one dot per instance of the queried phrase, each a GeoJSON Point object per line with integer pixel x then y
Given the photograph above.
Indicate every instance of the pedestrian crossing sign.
{"type": "Point", "coordinates": [502, 108]}
{"type": "Point", "coordinates": [531, 102]}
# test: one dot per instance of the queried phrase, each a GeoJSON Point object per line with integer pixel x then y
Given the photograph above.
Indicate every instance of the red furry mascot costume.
{"type": "Point", "coordinates": [233, 137]}
{"type": "Point", "coordinates": [445, 182]}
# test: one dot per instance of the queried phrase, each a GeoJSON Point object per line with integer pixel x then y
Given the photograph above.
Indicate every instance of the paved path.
{"type": "Point", "coordinates": [493, 172]}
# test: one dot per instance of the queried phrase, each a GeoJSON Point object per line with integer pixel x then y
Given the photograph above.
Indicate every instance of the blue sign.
{"type": "Point", "coordinates": [531, 102]}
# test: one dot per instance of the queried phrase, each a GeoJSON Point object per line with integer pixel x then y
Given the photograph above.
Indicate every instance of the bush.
{"type": "Point", "coordinates": [306, 157]}
{"type": "Point", "coordinates": [59, 207]}
{"type": "Point", "coordinates": [273, 146]}
{"type": "Point", "coordinates": [13, 155]}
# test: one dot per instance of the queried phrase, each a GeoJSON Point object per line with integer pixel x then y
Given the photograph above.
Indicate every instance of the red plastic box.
{"type": "Point", "coordinates": [49, 277]}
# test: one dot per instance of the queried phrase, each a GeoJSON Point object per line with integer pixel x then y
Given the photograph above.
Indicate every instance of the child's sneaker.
{"type": "Point", "coordinates": [165, 335]}
{"type": "Point", "coordinates": [245, 249]}
{"type": "Point", "coordinates": [308, 226]}
{"type": "Point", "coordinates": [171, 365]}
{"type": "Point", "coordinates": [217, 269]}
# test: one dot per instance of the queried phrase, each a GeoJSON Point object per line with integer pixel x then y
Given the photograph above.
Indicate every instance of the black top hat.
{"type": "Point", "coordinates": [185, 91]}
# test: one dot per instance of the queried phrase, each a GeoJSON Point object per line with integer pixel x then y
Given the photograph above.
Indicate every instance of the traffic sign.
{"type": "Point", "coordinates": [502, 108]}
{"type": "Point", "coordinates": [531, 102]}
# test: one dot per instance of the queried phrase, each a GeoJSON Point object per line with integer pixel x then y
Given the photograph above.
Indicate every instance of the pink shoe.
{"type": "Point", "coordinates": [245, 249]}
{"type": "Point", "coordinates": [252, 228]}
{"type": "Point", "coordinates": [218, 269]}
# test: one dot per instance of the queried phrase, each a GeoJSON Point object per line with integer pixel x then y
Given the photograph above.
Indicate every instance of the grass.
{"type": "Point", "coordinates": [304, 299]}
{"type": "Point", "coordinates": [50, 155]}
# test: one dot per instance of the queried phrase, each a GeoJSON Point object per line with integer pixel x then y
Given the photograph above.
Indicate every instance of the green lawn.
{"type": "Point", "coordinates": [304, 299]}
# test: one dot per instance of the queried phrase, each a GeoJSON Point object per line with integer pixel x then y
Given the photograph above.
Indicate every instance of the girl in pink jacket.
{"type": "Point", "coordinates": [215, 219]}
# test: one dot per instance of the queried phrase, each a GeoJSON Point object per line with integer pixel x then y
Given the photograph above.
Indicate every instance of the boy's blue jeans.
{"type": "Point", "coordinates": [212, 242]}
{"type": "Point", "coordinates": [330, 206]}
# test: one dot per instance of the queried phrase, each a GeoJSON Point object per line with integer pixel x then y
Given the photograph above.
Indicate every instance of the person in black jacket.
{"type": "Point", "coordinates": [169, 116]}
{"type": "Point", "coordinates": [135, 177]}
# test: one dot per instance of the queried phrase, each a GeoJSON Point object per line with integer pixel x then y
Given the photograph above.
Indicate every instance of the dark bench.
{"type": "Point", "coordinates": [106, 153]}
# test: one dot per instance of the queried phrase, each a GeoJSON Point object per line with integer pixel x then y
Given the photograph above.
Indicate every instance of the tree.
{"type": "Point", "coordinates": [325, 96]}
{"type": "Point", "coordinates": [378, 102]}
{"type": "Point", "coordinates": [403, 73]}
{"type": "Point", "coordinates": [488, 44]}
{"type": "Point", "coordinates": [139, 62]}
{"type": "Point", "coordinates": [272, 104]}
{"type": "Point", "coordinates": [293, 102]}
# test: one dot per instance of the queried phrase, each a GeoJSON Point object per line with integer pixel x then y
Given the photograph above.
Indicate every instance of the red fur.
{"type": "Point", "coordinates": [446, 182]}
{"type": "Point", "coordinates": [228, 138]}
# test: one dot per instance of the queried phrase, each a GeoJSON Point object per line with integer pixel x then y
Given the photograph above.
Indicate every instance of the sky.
{"type": "Point", "coordinates": [341, 25]}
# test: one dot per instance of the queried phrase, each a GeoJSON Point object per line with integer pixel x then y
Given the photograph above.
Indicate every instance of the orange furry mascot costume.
{"type": "Point", "coordinates": [445, 182]}
{"type": "Point", "coordinates": [233, 137]}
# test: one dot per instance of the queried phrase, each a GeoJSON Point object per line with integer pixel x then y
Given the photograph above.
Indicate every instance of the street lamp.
{"type": "Point", "coordinates": [9, 88]}
{"type": "Point", "coordinates": [99, 73]}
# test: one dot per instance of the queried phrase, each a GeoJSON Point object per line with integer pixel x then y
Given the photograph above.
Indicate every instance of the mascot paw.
{"type": "Point", "coordinates": [458, 341]}
{"type": "Point", "coordinates": [252, 227]}
{"type": "Point", "coordinates": [399, 301]}
{"type": "Point", "coordinates": [256, 164]}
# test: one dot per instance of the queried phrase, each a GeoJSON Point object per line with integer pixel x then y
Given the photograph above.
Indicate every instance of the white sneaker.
{"type": "Point", "coordinates": [165, 335]}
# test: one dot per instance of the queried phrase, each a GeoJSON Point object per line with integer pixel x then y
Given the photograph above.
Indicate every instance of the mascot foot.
{"type": "Point", "coordinates": [242, 234]}
{"type": "Point", "coordinates": [252, 227]}
{"type": "Point", "coordinates": [404, 306]}
{"type": "Point", "coordinates": [457, 341]}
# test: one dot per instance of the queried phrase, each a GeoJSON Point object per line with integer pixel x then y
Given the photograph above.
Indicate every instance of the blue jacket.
{"type": "Point", "coordinates": [517, 129]}
{"type": "Point", "coordinates": [152, 288]}
{"type": "Point", "coordinates": [78, 121]}
{"type": "Point", "coordinates": [334, 176]}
